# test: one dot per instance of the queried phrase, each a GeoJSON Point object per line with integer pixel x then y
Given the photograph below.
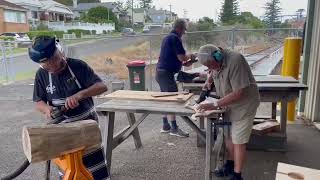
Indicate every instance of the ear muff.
{"type": "Point", "coordinates": [217, 55]}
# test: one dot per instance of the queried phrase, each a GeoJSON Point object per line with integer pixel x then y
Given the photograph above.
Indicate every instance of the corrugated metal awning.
{"type": "Point", "coordinates": [59, 10]}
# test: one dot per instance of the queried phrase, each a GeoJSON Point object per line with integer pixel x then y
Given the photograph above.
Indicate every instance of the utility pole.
{"type": "Point", "coordinates": [170, 13]}
{"type": "Point", "coordinates": [108, 15]}
{"type": "Point", "coordinates": [185, 12]}
{"type": "Point", "coordinates": [132, 13]}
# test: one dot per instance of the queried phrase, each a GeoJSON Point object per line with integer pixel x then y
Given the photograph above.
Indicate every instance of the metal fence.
{"type": "Point", "coordinates": [109, 55]}
{"type": "Point", "coordinates": [6, 66]}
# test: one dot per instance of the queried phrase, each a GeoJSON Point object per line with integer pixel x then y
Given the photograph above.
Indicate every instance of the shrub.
{"type": "Point", "coordinates": [79, 31]}
{"type": "Point", "coordinates": [104, 32]}
{"type": "Point", "coordinates": [7, 38]}
{"type": "Point", "coordinates": [33, 34]}
{"type": "Point", "coordinates": [93, 32]}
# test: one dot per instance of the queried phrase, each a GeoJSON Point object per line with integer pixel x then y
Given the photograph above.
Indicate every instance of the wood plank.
{"type": "Point", "coordinates": [162, 94]}
{"type": "Point", "coordinates": [135, 133]}
{"type": "Point", "coordinates": [147, 96]}
{"type": "Point", "coordinates": [266, 127]}
{"type": "Point", "coordinates": [194, 127]}
{"type": "Point", "coordinates": [283, 117]}
{"type": "Point", "coordinates": [118, 136]}
{"type": "Point", "coordinates": [45, 142]}
{"type": "Point", "coordinates": [109, 128]}
{"type": "Point", "coordinates": [209, 141]}
{"type": "Point", "coordinates": [145, 106]}
{"type": "Point", "coordinates": [307, 173]}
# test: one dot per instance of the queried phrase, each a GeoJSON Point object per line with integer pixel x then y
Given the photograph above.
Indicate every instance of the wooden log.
{"type": "Point", "coordinates": [41, 143]}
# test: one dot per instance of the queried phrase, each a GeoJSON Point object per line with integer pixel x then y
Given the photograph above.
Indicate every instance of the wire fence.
{"type": "Point", "coordinates": [110, 55]}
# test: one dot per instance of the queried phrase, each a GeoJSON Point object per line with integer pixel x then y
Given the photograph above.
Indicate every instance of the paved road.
{"type": "Point", "coordinates": [21, 64]}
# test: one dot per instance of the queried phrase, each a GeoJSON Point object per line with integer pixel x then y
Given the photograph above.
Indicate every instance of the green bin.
{"type": "Point", "coordinates": [137, 75]}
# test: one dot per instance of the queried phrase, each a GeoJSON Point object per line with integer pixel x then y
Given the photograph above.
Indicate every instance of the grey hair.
{"type": "Point", "coordinates": [204, 54]}
{"type": "Point", "coordinates": [179, 23]}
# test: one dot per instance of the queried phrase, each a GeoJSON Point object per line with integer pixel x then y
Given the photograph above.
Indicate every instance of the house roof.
{"type": "Point", "coordinates": [139, 10]}
{"type": "Point", "coordinates": [156, 12]}
{"type": "Point", "coordinates": [53, 6]}
{"type": "Point", "coordinates": [34, 3]}
{"type": "Point", "coordinates": [87, 6]}
{"type": "Point", "coordinates": [9, 5]}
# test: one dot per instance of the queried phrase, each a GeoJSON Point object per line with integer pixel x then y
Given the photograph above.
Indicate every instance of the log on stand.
{"type": "Point", "coordinates": [41, 143]}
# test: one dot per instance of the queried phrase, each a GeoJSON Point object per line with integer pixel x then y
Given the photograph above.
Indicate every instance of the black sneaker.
{"type": "Point", "coordinates": [226, 170]}
{"type": "Point", "coordinates": [165, 129]}
{"type": "Point", "coordinates": [236, 176]}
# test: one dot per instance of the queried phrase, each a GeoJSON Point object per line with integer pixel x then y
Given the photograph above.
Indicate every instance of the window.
{"type": "Point", "coordinates": [14, 16]}
{"type": "Point", "coordinates": [34, 14]}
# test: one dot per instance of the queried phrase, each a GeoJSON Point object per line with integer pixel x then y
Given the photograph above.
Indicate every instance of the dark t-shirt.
{"type": "Point", "coordinates": [171, 47]}
{"type": "Point", "coordinates": [63, 86]}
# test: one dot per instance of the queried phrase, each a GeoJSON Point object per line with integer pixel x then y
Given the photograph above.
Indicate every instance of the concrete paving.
{"type": "Point", "coordinates": [162, 157]}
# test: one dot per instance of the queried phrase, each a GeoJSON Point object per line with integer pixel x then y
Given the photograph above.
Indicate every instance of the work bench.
{"type": "Point", "coordinates": [145, 108]}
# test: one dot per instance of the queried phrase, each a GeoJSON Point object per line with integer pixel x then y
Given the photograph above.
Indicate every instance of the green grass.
{"type": "Point", "coordinates": [15, 51]}
{"type": "Point", "coordinates": [25, 76]}
{"type": "Point", "coordinates": [19, 77]}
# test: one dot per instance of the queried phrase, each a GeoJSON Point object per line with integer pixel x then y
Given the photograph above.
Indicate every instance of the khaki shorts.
{"type": "Point", "coordinates": [240, 131]}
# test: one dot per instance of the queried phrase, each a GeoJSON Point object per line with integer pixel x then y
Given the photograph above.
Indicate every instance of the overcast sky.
{"type": "Point", "coordinates": [200, 8]}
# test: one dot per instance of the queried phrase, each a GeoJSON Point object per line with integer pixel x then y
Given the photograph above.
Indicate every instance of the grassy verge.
{"type": "Point", "coordinates": [19, 77]}
{"type": "Point", "coordinates": [15, 51]}
{"type": "Point", "coordinates": [25, 75]}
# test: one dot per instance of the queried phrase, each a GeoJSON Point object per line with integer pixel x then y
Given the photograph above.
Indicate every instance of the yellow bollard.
{"type": "Point", "coordinates": [291, 63]}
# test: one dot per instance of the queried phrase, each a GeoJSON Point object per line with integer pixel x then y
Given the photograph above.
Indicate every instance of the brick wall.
{"type": "Point", "coordinates": [12, 27]}
{"type": "Point", "coordinates": [1, 21]}
{"type": "Point", "coordinates": [16, 27]}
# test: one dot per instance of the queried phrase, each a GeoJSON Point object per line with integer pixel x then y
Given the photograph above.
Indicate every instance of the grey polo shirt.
{"type": "Point", "coordinates": [234, 75]}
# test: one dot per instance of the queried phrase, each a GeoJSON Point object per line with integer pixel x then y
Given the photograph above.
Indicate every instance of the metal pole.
{"type": "Point", "coordinates": [150, 64]}
{"type": "Point", "coordinates": [132, 13]}
{"type": "Point", "coordinates": [170, 13]}
{"type": "Point", "coordinates": [291, 68]}
{"type": "Point", "coordinates": [306, 53]}
{"type": "Point", "coordinates": [233, 38]}
{"type": "Point", "coordinates": [5, 62]}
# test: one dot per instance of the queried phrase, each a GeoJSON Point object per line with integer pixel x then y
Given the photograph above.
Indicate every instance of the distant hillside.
{"type": "Point", "coordinates": [70, 2]}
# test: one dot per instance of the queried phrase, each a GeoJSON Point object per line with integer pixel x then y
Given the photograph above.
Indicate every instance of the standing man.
{"type": "Point", "coordinates": [172, 57]}
{"type": "Point", "coordinates": [238, 90]}
{"type": "Point", "coordinates": [68, 83]}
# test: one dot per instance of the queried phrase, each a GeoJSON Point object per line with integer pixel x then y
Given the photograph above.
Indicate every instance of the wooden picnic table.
{"type": "Point", "coordinates": [272, 89]}
{"type": "Point", "coordinates": [131, 106]}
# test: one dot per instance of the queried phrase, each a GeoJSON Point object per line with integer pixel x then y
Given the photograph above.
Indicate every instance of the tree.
{"type": "Point", "coordinates": [146, 4]}
{"type": "Point", "coordinates": [272, 13]}
{"type": "Point", "coordinates": [100, 14]}
{"type": "Point", "coordinates": [249, 19]}
{"type": "Point", "coordinates": [229, 11]}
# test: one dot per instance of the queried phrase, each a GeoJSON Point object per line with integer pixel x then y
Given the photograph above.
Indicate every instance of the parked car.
{"type": "Point", "coordinates": [127, 31]}
{"type": "Point", "coordinates": [20, 38]}
{"type": "Point", "coordinates": [146, 29]}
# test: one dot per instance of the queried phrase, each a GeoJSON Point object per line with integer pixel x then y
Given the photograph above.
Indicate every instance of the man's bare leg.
{"type": "Point", "coordinates": [239, 156]}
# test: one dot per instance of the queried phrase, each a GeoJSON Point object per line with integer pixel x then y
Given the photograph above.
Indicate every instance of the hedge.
{"type": "Point", "coordinates": [7, 38]}
{"type": "Point", "coordinates": [78, 32]}
{"type": "Point", "coordinates": [33, 34]}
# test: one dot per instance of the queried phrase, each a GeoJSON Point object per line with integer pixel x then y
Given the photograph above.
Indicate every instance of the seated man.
{"type": "Point", "coordinates": [238, 90]}
{"type": "Point", "coordinates": [68, 83]}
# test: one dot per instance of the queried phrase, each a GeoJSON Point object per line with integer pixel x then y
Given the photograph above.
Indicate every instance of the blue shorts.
{"type": "Point", "coordinates": [166, 81]}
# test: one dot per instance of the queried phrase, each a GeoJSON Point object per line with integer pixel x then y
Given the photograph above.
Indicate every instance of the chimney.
{"type": "Point", "coordinates": [75, 3]}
